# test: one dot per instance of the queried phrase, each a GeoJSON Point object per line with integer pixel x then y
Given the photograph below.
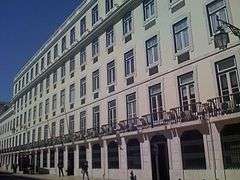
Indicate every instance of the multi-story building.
{"type": "Point", "coordinates": [131, 86]}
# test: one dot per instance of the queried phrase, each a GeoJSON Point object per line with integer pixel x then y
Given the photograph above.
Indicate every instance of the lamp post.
{"type": "Point", "coordinates": [221, 38]}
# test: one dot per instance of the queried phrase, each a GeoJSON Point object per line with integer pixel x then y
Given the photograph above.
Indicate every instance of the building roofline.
{"type": "Point", "coordinates": [53, 37]}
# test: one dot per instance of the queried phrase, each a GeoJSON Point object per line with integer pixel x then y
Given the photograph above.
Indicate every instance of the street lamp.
{"type": "Point", "coordinates": [221, 39]}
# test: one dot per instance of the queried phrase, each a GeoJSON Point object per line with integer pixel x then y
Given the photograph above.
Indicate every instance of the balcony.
{"type": "Point", "coordinates": [176, 115]}
{"type": "Point", "coordinates": [224, 105]}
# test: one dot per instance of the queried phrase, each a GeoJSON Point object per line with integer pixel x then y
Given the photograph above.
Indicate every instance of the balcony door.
{"type": "Point", "coordinates": [228, 80]}
{"type": "Point", "coordinates": [155, 99]}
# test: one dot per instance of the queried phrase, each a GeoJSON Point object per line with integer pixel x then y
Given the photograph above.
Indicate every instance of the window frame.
{"type": "Point", "coordinates": [153, 47]}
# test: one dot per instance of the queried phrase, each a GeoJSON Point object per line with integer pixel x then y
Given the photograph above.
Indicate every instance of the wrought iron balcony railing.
{"type": "Point", "coordinates": [226, 104]}
{"type": "Point", "coordinates": [108, 129]}
{"type": "Point", "coordinates": [129, 125]}
{"type": "Point", "coordinates": [186, 113]}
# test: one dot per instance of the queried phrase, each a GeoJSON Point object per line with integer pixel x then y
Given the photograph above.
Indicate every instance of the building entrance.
{"type": "Point", "coordinates": [159, 158]}
{"type": "Point", "coordinates": [70, 171]}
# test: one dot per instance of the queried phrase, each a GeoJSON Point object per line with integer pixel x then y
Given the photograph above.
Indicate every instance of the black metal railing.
{"type": "Point", "coordinates": [213, 107]}
{"type": "Point", "coordinates": [187, 113]}
{"type": "Point", "coordinates": [226, 104]}
{"type": "Point", "coordinates": [108, 129]}
{"type": "Point", "coordinates": [130, 124]}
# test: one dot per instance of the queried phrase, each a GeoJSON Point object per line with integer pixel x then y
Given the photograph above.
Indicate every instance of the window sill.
{"type": "Point", "coordinates": [127, 34]}
{"type": "Point", "coordinates": [97, 23]}
{"type": "Point", "coordinates": [149, 20]}
{"type": "Point", "coordinates": [152, 65]}
{"type": "Point", "coordinates": [187, 49]}
{"type": "Point", "coordinates": [174, 3]}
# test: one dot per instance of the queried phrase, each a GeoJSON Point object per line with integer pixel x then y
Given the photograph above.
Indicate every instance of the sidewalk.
{"type": "Point", "coordinates": [46, 176]}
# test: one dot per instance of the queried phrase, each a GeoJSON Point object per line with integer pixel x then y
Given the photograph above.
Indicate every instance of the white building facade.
{"type": "Point", "coordinates": [131, 86]}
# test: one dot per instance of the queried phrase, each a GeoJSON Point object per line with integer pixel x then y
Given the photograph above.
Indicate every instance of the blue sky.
{"type": "Point", "coordinates": [24, 26]}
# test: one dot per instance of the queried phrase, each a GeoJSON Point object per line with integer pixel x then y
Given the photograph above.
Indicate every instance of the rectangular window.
{"type": "Point", "coordinates": [46, 131]}
{"type": "Point", "coordinates": [152, 50]}
{"type": "Point", "coordinates": [34, 112]}
{"type": "Point", "coordinates": [53, 130]}
{"type": "Point", "coordinates": [55, 77]}
{"type": "Point", "coordinates": [148, 9]}
{"type": "Point", "coordinates": [216, 9]}
{"type": "Point", "coordinates": [35, 90]}
{"type": "Point", "coordinates": [42, 64]}
{"type": "Point", "coordinates": [95, 80]}
{"type": "Point", "coordinates": [82, 56]}
{"type": "Point", "coordinates": [94, 15]}
{"type": "Point", "coordinates": [47, 82]}
{"type": "Point", "coordinates": [31, 77]}
{"type": "Point", "coordinates": [33, 135]}
{"type": "Point", "coordinates": [131, 105]}
{"type": "Point", "coordinates": [112, 113]}
{"type": "Point", "coordinates": [109, 36]}
{"type": "Point", "coordinates": [181, 37]}
{"type": "Point", "coordinates": [63, 70]}
{"type": "Point", "coordinates": [28, 137]}
{"type": "Point", "coordinates": [83, 121]}
{"type": "Point", "coordinates": [96, 118]}
{"type": "Point", "coordinates": [83, 87]}
{"type": "Point", "coordinates": [111, 72]}
{"type": "Point", "coordinates": [40, 109]}
{"type": "Point", "coordinates": [228, 79]}
{"type": "Point", "coordinates": [127, 23]}
{"type": "Point", "coordinates": [36, 71]}
{"type": "Point", "coordinates": [27, 79]}
{"type": "Point", "coordinates": [29, 115]}
{"type": "Point", "coordinates": [129, 63]}
{"type": "Point", "coordinates": [55, 53]}
{"type": "Point", "coordinates": [72, 64]}
{"type": "Point", "coordinates": [61, 127]}
{"type": "Point", "coordinates": [62, 98]}
{"type": "Point", "coordinates": [82, 25]}
{"type": "Point", "coordinates": [54, 102]}
{"type": "Point", "coordinates": [155, 99]}
{"type": "Point", "coordinates": [72, 93]}
{"type": "Point", "coordinates": [64, 44]}
{"type": "Point", "coordinates": [47, 106]}
{"type": "Point", "coordinates": [95, 48]}
{"type": "Point", "coordinates": [186, 91]}
{"type": "Point", "coordinates": [39, 133]}
{"type": "Point", "coordinates": [41, 87]}
{"type": "Point", "coordinates": [108, 5]}
{"type": "Point", "coordinates": [20, 139]}
{"type": "Point", "coordinates": [71, 124]}
{"type": "Point", "coordinates": [24, 138]}
{"type": "Point", "coordinates": [48, 58]}
{"type": "Point", "coordinates": [72, 35]}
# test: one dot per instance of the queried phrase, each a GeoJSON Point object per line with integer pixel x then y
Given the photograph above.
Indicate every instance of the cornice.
{"type": "Point", "coordinates": [79, 11]}
{"type": "Point", "coordinates": [113, 18]}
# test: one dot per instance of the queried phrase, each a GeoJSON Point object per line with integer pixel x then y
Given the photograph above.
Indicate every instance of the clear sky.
{"type": "Point", "coordinates": [24, 26]}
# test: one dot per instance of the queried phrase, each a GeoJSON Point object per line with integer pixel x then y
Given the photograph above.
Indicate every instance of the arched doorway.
{"type": "Point", "coordinates": [159, 158]}
{"type": "Point", "coordinates": [230, 138]}
{"type": "Point", "coordinates": [70, 171]}
{"type": "Point", "coordinates": [113, 158]}
{"type": "Point", "coordinates": [193, 154]}
{"type": "Point", "coordinates": [96, 156]}
{"type": "Point", "coordinates": [133, 154]}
